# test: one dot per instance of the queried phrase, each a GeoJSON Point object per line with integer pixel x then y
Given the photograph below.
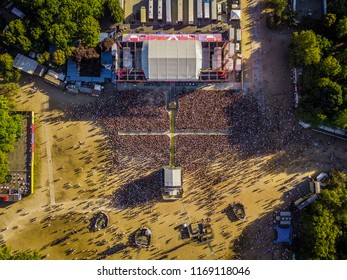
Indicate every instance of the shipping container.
{"type": "Point", "coordinates": [160, 10]}
{"type": "Point", "coordinates": [143, 14]}
{"type": "Point", "coordinates": [150, 9]}
{"type": "Point", "coordinates": [207, 9]}
{"type": "Point", "coordinates": [168, 11]}
{"type": "Point", "coordinates": [191, 12]}
{"type": "Point", "coordinates": [199, 8]}
{"type": "Point", "coordinates": [214, 10]}
{"type": "Point", "coordinates": [180, 11]}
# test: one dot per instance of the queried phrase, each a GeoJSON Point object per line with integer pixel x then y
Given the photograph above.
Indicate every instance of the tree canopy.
{"type": "Point", "coordinates": [59, 57]}
{"type": "Point", "coordinates": [16, 35]}
{"type": "Point", "coordinates": [7, 254]}
{"type": "Point", "coordinates": [322, 55]}
{"type": "Point", "coordinates": [7, 71]}
{"type": "Point", "coordinates": [324, 222]}
{"type": "Point", "coordinates": [116, 10]}
{"type": "Point", "coordinates": [59, 22]}
{"type": "Point", "coordinates": [305, 48]}
{"type": "Point", "coordinates": [10, 131]}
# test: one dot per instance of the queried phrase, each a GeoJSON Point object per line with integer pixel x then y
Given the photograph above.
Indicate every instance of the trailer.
{"type": "Point", "coordinates": [207, 9]}
{"type": "Point", "coordinates": [231, 34]}
{"type": "Point", "coordinates": [180, 11]}
{"type": "Point", "coordinates": [160, 10]}
{"type": "Point", "coordinates": [191, 12]}
{"type": "Point", "coordinates": [199, 9]}
{"type": "Point", "coordinates": [143, 15]}
{"type": "Point", "coordinates": [219, 8]}
{"type": "Point", "coordinates": [168, 11]}
{"type": "Point", "coordinates": [231, 49]}
{"type": "Point", "coordinates": [214, 10]}
{"type": "Point", "coordinates": [150, 10]}
{"type": "Point", "coordinates": [238, 64]}
{"type": "Point", "coordinates": [238, 35]}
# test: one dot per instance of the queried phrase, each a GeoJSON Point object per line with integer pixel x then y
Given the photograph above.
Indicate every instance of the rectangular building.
{"type": "Point", "coordinates": [199, 9]}
{"type": "Point", "coordinates": [168, 11]}
{"type": "Point", "coordinates": [160, 10]}
{"type": "Point", "coordinates": [150, 9]}
{"type": "Point", "coordinates": [214, 10]}
{"type": "Point", "coordinates": [207, 9]}
{"type": "Point", "coordinates": [191, 12]}
{"type": "Point", "coordinates": [180, 11]}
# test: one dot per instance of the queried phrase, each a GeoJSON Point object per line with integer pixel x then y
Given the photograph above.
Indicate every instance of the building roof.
{"type": "Point", "coordinates": [25, 64]}
{"type": "Point", "coordinates": [172, 177]}
{"type": "Point", "coordinates": [17, 12]}
{"type": "Point", "coordinates": [106, 58]}
{"type": "Point", "coordinates": [172, 60]}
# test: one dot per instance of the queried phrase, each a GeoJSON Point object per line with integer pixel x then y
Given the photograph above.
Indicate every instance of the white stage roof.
{"type": "Point", "coordinates": [171, 60]}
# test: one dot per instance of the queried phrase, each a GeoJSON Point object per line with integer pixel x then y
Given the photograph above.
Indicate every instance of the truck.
{"type": "Point", "coordinates": [168, 11]}
{"type": "Point", "coordinates": [150, 9]}
{"type": "Point", "coordinates": [143, 15]}
{"type": "Point", "coordinates": [180, 11]}
{"type": "Point", "coordinates": [214, 10]}
{"type": "Point", "coordinates": [160, 10]}
{"type": "Point", "coordinates": [198, 9]}
{"type": "Point", "coordinates": [207, 9]}
{"type": "Point", "coordinates": [191, 12]}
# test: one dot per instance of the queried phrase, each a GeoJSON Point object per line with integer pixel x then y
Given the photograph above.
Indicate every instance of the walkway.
{"type": "Point", "coordinates": [48, 137]}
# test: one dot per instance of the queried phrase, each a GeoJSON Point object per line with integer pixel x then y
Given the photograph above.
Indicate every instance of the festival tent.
{"type": "Point", "coordinates": [284, 235]}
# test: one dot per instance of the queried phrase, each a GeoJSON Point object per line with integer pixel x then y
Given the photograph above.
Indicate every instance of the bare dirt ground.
{"type": "Point", "coordinates": [55, 219]}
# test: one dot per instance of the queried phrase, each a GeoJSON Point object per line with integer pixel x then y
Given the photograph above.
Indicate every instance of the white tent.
{"type": "Point", "coordinates": [235, 15]}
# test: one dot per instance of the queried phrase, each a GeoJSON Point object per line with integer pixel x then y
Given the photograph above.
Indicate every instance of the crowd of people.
{"type": "Point", "coordinates": [202, 109]}
{"type": "Point", "coordinates": [254, 132]}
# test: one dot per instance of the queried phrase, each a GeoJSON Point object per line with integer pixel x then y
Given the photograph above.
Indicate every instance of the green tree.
{"type": "Point", "coordinates": [10, 125]}
{"type": "Point", "coordinates": [9, 89]}
{"type": "Point", "coordinates": [341, 27]}
{"type": "Point", "coordinates": [305, 49]}
{"type": "Point", "coordinates": [44, 58]}
{"type": "Point", "coordinates": [16, 35]}
{"type": "Point", "coordinates": [320, 235]}
{"type": "Point", "coordinates": [117, 11]}
{"type": "Point", "coordinates": [324, 222]}
{"type": "Point", "coordinates": [330, 67]}
{"type": "Point", "coordinates": [3, 169]}
{"type": "Point", "coordinates": [329, 19]}
{"type": "Point", "coordinates": [7, 71]}
{"type": "Point", "coordinates": [59, 57]}
{"type": "Point", "coordinates": [59, 36]}
{"type": "Point", "coordinates": [90, 31]}
{"type": "Point", "coordinates": [330, 94]}
{"type": "Point", "coordinates": [7, 254]}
